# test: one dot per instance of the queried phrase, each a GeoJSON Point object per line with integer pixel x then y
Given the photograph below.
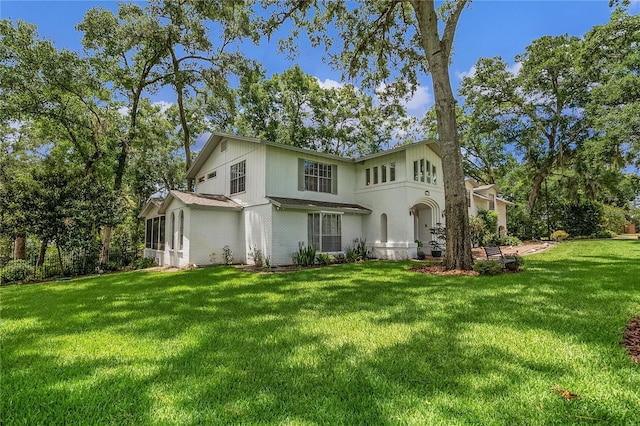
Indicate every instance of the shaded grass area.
{"type": "Point", "coordinates": [365, 343]}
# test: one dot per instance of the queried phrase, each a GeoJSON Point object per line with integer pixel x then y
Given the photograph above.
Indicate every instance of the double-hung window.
{"type": "Point", "coordinates": [238, 177]}
{"type": "Point", "coordinates": [317, 177]}
{"type": "Point", "coordinates": [325, 231]}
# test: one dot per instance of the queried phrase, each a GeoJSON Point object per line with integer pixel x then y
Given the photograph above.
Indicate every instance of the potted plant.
{"type": "Point", "coordinates": [421, 255]}
{"type": "Point", "coordinates": [436, 250]}
{"type": "Point", "coordinates": [438, 240]}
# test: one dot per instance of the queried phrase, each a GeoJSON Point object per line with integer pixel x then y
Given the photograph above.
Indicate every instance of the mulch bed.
{"type": "Point", "coordinates": [631, 339]}
{"type": "Point", "coordinates": [439, 269]}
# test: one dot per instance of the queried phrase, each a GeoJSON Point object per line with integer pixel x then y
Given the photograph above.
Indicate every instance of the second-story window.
{"type": "Point", "coordinates": [423, 171]}
{"type": "Point", "coordinates": [317, 177]}
{"type": "Point", "coordinates": [238, 177]}
{"type": "Point", "coordinates": [392, 172]}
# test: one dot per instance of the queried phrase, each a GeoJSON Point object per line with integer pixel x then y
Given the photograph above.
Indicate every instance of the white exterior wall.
{"type": "Point", "coordinates": [501, 208]}
{"type": "Point", "coordinates": [396, 200]}
{"type": "Point", "coordinates": [212, 229]}
{"type": "Point", "coordinates": [468, 186]}
{"type": "Point", "coordinates": [282, 176]}
{"type": "Point", "coordinates": [257, 230]}
{"type": "Point", "coordinates": [352, 229]}
{"type": "Point", "coordinates": [221, 162]}
{"type": "Point", "coordinates": [289, 230]}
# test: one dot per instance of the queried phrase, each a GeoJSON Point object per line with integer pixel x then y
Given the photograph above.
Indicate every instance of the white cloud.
{"type": "Point", "coordinates": [163, 105]}
{"type": "Point", "coordinates": [515, 68]}
{"type": "Point", "coordinates": [330, 84]}
{"type": "Point", "coordinates": [463, 74]}
{"type": "Point", "coordinates": [418, 104]}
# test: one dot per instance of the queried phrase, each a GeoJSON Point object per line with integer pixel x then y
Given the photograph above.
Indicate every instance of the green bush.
{"type": "Point", "coordinates": [144, 263]}
{"type": "Point", "coordinates": [477, 230]}
{"type": "Point", "coordinates": [325, 259]}
{"type": "Point", "coordinates": [613, 219]}
{"type": "Point", "coordinates": [351, 255]}
{"type": "Point", "coordinates": [519, 261]}
{"type": "Point", "coordinates": [490, 219]}
{"type": "Point", "coordinates": [255, 254]}
{"type": "Point", "coordinates": [227, 255]}
{"type": "Point", "coordinates": [305, 256]}
{"type": "Point", "coordinates": [487, 267]}
{"type": "Point", "coordinates": [605, 233]}
{"type": "Point", "coordinates": [559, 235]}
{"type": "Point", "coordinates": [15, 271]}
{"type": "Point", "coordinates": [510, 240]}
{"type": "Point", "coordinates": [501, 240]}
{"type": "Point", "coordinates": [583, 219]}
{"type": "Point", "coordinates": [357, 253]}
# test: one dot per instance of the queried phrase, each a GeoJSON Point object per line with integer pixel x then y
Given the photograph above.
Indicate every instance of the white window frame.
{"type": "Point", "coordinates": [316, 238]}
{"type": "Point", "coordinates": [238, 182]}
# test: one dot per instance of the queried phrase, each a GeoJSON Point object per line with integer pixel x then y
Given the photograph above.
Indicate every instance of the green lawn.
{"type": "Point", "coordinates": [351, 344]}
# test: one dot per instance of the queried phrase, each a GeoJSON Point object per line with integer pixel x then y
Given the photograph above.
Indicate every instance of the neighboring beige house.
{"type": "Point", "coordinates": [252, 193]}
{"type": "Point", "coordinates": [485, 197]}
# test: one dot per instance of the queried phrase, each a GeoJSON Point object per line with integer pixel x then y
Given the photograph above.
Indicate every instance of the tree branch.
{"type": "Point", "coordinates": [450, 27]}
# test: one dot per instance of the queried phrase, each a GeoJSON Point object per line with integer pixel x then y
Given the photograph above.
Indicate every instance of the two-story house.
{"type": "Point", "coordinates": [485, 197]}
{"type": "Point", "coordinates": [255, 194]}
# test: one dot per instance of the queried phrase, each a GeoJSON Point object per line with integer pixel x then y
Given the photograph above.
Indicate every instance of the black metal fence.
{"type": "Point", "coordinates": [54, 264]}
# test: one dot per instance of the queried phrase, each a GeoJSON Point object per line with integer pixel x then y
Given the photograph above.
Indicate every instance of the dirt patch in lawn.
{"type": "Point", "coordinates": [631, 339]}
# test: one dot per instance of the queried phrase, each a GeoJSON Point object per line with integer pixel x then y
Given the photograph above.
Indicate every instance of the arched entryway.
{"type": "Point", "coordinates": [426, 213]}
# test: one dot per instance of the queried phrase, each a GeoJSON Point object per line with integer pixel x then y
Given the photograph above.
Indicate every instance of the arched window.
{"type": "Point", "coordinates": [173, 231]}
{"type": "Point", "coordinates": [383, 228]}
{"type": "Point", "coordinates": [181, 232]}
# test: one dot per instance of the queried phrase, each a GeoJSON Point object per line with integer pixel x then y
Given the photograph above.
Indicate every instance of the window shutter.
{"type": "Point", "coordinates": [300, 174]}
{"type": "Point", "coordinates": [334, 179]}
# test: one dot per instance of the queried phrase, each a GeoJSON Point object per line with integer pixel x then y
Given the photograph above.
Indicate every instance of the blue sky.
{"type": "Point", "coordinates": [486, 29]}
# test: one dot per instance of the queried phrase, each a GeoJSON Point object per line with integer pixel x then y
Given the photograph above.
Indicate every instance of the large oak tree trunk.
{"type": "Point", "coordinates": [458, 253]}
{"type": "Point", "coordinates": [437, 52]}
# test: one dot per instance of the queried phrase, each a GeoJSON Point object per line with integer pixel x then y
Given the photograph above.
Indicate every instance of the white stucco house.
{"type": "Point", "coordinates": [251, 193]}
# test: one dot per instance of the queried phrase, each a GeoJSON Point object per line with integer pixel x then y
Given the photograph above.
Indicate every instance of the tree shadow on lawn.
{"type": "Point", "coordinates": [282, 348]}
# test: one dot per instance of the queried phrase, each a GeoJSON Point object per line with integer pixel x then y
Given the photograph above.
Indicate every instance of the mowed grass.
{"type": "Point", "coordinates": [365, 343]}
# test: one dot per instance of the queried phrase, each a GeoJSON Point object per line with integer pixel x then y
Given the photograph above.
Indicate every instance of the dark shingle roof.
{"type": "Point", "coordinates": [315, 205]}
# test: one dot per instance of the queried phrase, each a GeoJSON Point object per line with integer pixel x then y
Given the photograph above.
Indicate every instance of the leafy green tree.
{"type": "Point", "coordinates": [292, 108]}
{"type": "Point", "coordinates": [165, 43]}
{"type": "Point", "coordinates": [401, 39]}
{"type": "Point", "coordinates": [610, 59]}
{"type": "Point", "coordinates": [16, 163]}
{"type": "Point", "coordinates": [59, 97]}
{"type": "Point", "coordinates": [487, 154]}
{"type": "Point", "coordinates": [537, 107]}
